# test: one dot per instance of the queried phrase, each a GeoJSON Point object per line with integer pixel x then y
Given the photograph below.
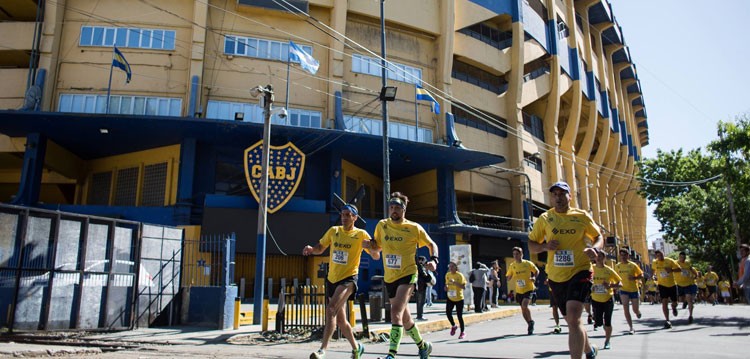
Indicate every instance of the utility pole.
{"type": "Point", "coordinates": [260, 252]}
{"type": "Point", "coordinates": [384, 105]}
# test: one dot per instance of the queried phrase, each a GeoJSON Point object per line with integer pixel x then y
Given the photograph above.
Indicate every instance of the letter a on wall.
{"type": "Point", "coordinates": [285, 166]}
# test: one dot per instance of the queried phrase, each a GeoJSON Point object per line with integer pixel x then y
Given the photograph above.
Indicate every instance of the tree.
{"type": "Point", "coordinates": [697, 217]}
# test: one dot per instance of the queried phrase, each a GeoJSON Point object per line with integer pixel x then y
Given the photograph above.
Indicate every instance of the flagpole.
{"type": "Point", "coordinates": [288, 65]}
{"type": "Point", "coordinates": [109, 85]}
{"type": "Point", "coordinates": [416, 112]}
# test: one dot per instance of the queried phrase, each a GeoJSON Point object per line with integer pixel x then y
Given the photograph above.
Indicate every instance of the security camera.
{"type": "Point", "coordinates": [280, 111]}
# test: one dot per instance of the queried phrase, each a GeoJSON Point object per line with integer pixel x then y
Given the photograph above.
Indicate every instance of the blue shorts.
{"type": "Point", "coordinates": [631, 295]}
{"type": "Point", "coordinates": [690, 290]}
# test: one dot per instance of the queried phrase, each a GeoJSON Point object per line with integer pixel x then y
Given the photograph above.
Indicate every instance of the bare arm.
{"type": "Point", "coordinates": [318, 249]}
{"type": "Point", "coordinates": [431, 264]}
{"type": "Point", "coordinates": [371, 247]}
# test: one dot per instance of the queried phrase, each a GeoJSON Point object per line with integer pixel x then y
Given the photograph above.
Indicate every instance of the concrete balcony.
{"type": "Point", "coordinates": [22, 35]}
{"type": "Point", "coordinates": [481, 52]}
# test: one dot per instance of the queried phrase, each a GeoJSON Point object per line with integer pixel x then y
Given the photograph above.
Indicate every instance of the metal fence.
{"type": "Point", "coordinates": [209, 261]}
{"type": "Point", "coordinates": [301, 307]}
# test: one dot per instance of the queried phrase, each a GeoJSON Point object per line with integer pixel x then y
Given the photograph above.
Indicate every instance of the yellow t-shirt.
{"type": "Point", "coordinates": [651, 285]}
{"type": "Point", "coordinates": [663, 270]}
{"type": "Point", "coordinates": [724, 286]}
{"type": "Point", "coordinates": [346, 250]}
{"type": "Point", "coordinates": [599, 292]}
{"type": "Point", "coordinates": [701, 282]}
{"type": "Point", "coordinates": [399, 243]}
{"type": "Point", "coordinates": [625, 271]}
{"type": "Point", "coordinates": [521, 274]}
{"type": "Point", "coordinates": [711, 279]}
{"type": "Point", "coordinates": [455, 290]}
{"type": "Point", "coordinates": [575, 230]}
{"type": "Point", "coordinates": [684, 277]}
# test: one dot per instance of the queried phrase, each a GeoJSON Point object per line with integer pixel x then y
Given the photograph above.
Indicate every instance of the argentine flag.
{"type": "Point", "coordinates": [307, 62]}
{"type": "Point", "coordinates": [423, 95]}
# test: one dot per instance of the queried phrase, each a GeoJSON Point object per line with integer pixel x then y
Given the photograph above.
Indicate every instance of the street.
{"type": "Point", "coordinates": [718, 332]}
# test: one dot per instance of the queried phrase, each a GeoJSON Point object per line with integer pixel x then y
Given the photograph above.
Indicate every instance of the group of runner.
{"type": "Point", "coordinates": [572, 241]}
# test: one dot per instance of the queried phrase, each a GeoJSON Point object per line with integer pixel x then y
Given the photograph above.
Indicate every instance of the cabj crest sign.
{"type": "Point", "coordinates": [285, 166]}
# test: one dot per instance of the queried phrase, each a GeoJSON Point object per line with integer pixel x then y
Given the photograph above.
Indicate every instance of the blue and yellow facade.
{"type": "Point", "coordinates": [546, 89]}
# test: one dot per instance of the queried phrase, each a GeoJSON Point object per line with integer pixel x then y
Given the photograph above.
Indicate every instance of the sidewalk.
{"type": "Point", "coordinates": [435, 320]}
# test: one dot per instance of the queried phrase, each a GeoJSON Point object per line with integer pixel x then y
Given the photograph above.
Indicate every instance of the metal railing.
{"type": "Point", "coordinates": [301, 308]}
{"type": "Point", "coordinates": [209, 261]}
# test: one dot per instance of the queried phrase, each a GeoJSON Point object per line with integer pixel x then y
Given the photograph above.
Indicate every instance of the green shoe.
{"type": "Point", "coordinates": [357, 354]}
{"type": "Point", "coordinates": [425, 350]}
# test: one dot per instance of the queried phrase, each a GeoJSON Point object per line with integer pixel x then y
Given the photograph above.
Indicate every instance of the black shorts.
{"type": "Point", "coordinates": [603, 312]}
{"type": "Point", "coordinates": [711, 289]}
{"type": "Point", "coordinates": [575, 289]}
{"type": "Point", "coordinates": [393, 286]}
{"type": "Point", "coordinates": [520, 297]}
{"type": "Point", "coordinates": [668, 292]}
{"type": "Point", "coordinates": [332, 286]}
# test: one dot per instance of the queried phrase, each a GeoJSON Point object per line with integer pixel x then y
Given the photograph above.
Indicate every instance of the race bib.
{"type": "Point", "coordinates": [393, 261]}
{"type": "Point", "coordinates": [664, 274]}
{"type": "Point", "coordinates": [340, 257]}
{"type": "Point", "coordinates": [685, 273]}
{"type": "Point", "coordinates": [520, 283]}
{"type": "Point", "coordinates": [599, 289]}
{"type": "Point", "coordinates": [452, 293]}
{"type": "Point", "coordinates": [564, 258]}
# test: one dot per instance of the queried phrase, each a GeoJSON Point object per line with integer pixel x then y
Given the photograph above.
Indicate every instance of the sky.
{"type": "Point", "coordinates": [692, 58]}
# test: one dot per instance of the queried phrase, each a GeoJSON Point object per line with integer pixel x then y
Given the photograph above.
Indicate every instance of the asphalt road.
{"type": "Point", "coordinates": [718, 332]}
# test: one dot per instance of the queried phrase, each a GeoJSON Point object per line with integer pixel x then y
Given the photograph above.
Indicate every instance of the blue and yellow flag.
{"type": "Point", "coordinates": [423, 95]}
{"type": "Point", "coordinates": [118, 60]}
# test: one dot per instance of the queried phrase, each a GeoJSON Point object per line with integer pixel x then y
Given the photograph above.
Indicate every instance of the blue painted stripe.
{"type": "Point", "coordinates": [499, 7]}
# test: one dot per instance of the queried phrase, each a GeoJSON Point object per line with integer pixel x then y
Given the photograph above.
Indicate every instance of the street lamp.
{"type": "Point", "coordinates": [266, 101]}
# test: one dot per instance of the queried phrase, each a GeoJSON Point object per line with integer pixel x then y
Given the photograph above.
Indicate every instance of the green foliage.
{"type": "Point", "coordinates": [697, 218]}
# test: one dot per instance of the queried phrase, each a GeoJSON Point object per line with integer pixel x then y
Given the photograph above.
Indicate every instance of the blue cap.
{"type": "Point", "coordinates": [351, 208]}
{"type": "Point", "coordinates": [397, 201]}
{"type": "Point", "coordinates": [561, 185]}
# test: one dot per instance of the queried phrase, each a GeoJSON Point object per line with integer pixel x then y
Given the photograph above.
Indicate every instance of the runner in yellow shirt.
{"type": "Point", "coordinates": [346, 242]}
{"type": "Point", "coordinates": [398, 238]}
{"type": "Point", "coordinates": [605, 281]}
{"type": "Point", "coordinates": [631, 274]}
{"type": "Point", "coordinates": [665, 269]}
{"type": "Point", "coordinates": [712, 279]}
{"type": "Point", "coordinates": [651, 290]}
{"type": "Point", "coordinates": [570, 237]}
{"type": "Point", "coordinates": [726, 291]}
{"type": "Point", "coordinates": [700, 281]}
{"type": "Point", "coordinates": [685, 280]}
{"type": "Point", "coordinates": [455, 283]}
{"type": "Point", "coordinates": [524, 273]}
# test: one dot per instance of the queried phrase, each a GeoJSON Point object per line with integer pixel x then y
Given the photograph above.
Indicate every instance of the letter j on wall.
{"type": "Point", "coordinates": [285, 166]}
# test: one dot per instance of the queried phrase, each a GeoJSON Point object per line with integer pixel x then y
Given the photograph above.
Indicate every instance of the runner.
{"type": "Point", "coordinates": [347, 243]}
{"type": "Point", "coordinates": [605, 280]}
{"type": "Point", "coordinates": [399, 238]}
{"type": "Point", "coordinates": [700, 281]}
{"type": "Point", "coordinates": [570, 237]}
{"type": "Point", "coordinates": [651, 290]}
{"type": "Point", "coordinates": [524, 272]}
{"type": "Point", "coordinates": [743, 283]}
{"type": "Point", "coordinates": [685, 280]}
{"type": "Point", "coordinates": [455, 283]}
{"type": "Point", "coordinates": [712, 279]}
{"type": "Point", "coordinates": [555, 309]}
{"type": "Point", "coordinates": [665, 269]}
{"type": "Point", "coordinates": [630, 273]}
{"type": "Point", "coordinates": [726, 291]}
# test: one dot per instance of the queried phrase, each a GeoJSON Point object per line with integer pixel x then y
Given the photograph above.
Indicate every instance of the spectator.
{"type": "Point", "coordinates": [479, 278]}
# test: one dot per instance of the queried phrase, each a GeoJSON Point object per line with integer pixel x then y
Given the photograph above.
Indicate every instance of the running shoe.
{"type": "Point", "coordinates": [462, 335]}
{"type": "Point", "coordinates": [593, 352]}
{"type": "Point", "coordinates": [591, 320]}
{"type": "Point", "coordinates": [387, 357]}
{"type": "Point", "coordinates": [638, 315]}
{"type": "Point", "coordinates": [674, 311]}
{"type": "Point", "coordinates": [425, 350]}
{"type": "Point", "coordinates": [531, 327]}
{"type": "Point", "coordinates": [690, 319]}
{"type": "Point", "coordinates": [557, 330]}
{"type": "Point", "coordinates": [607, 345]}
{"type": "Point", "coordinates": [357, 354]}
{"type": "Point", "coordinates": [684, 305]}
{"type": "Point", "coordinates": [596, 327]}
{"type": "Point", "coordinates": [631, 332]}
{"type": "Point", "coordinates": [320, 354]}
{"type": "Point", "coordinates": [667, 325]}
{"type": "Point", "coordinates": [453, 330]}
